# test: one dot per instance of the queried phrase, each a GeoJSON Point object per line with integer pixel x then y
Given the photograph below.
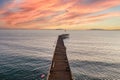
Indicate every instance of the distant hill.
{"type": "Point", "coordinates": [105, 29]}
{"type": "Point", "coordinates": [97, 29]}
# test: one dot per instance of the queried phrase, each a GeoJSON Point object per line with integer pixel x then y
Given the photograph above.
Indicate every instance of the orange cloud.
{"type": "Point", "coordinates": [42, 13]}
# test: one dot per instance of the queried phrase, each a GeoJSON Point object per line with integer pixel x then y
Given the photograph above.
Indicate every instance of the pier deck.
{"type": "Point", "coordinates": [60, 69]}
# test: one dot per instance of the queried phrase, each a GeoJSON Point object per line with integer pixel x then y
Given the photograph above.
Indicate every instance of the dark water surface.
{"type": "Point", "coordinates": [26, 54]}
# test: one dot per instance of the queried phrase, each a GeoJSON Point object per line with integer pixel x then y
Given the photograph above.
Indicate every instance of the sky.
{"type": "Point", "coordinates": [60, 14]}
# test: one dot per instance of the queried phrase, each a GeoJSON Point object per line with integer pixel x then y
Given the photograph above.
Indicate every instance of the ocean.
{"type": "Point", "coordinates": [92, 54]}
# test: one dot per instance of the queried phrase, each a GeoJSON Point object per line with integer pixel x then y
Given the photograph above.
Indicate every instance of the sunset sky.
{"type": "Point", "coordinates": [60, 14]}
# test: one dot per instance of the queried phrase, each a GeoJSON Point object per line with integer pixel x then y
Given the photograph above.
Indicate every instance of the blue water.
{"type": "Point", "coordinates": [26, 54]}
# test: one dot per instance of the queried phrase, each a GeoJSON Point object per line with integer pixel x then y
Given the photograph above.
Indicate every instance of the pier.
{"type": "Point", "coordinates": [60, 69]}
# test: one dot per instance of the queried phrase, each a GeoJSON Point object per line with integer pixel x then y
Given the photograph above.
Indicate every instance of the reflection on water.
{"type": "Point", "coordinates": [26, 54]}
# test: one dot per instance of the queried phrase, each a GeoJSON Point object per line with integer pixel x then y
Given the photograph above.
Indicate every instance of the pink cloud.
{"type": "Point", "coordinates": [54, 12]}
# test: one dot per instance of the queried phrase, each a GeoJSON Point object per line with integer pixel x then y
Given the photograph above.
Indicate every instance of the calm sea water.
{"type": "Point", "coordinates": [26, 54]}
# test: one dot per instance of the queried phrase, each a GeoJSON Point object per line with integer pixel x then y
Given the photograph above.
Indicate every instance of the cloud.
{"type": "Point", "coordinates": [42, 13]}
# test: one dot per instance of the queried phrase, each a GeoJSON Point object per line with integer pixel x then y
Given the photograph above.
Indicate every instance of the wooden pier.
{"type": "Point", "coordinates": [60, 69]}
